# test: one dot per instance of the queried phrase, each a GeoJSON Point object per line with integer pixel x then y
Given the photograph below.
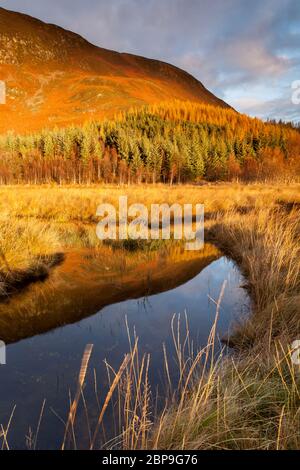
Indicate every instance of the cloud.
{"type": "Point", "coordinates": [275, 108]}
{"type": "Point", "coordinates": [229, 45]}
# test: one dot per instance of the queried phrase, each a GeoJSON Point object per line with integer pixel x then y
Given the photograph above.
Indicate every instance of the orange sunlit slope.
{"type": "Point", "coordinates": [55, 77]}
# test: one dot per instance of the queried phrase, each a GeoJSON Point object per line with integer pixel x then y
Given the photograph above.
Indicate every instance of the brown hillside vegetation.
{"type": "Point", "coordinates": [55, 77]}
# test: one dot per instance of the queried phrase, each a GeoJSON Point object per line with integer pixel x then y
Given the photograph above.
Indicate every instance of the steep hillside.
{"type": "Point", "coordinates": [55, 77]}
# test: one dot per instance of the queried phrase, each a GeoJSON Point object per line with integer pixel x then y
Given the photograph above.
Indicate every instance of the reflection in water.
{"type": "Point", "coordinates": [46, 366]}
{"type": "Point", "coordinates": [86, 282]}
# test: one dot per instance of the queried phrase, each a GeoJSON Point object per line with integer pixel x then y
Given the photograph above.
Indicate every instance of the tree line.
{"type": "Point", "coordinates": [172, 143]}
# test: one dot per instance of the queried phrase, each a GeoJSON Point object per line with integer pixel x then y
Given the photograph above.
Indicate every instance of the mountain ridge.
{"type": "Point", "coordinates": [55, 77]}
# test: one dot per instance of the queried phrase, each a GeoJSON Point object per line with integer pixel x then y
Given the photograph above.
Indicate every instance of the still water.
{"type": "Point", "coordinates": [46, 366]}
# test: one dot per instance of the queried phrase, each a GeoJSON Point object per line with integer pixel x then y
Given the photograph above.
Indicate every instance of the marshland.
{"type": "Point", "coordinates": [202, 338]}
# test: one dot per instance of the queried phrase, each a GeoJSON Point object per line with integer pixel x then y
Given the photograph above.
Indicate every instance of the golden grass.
{"type": "Point", "coordinates": [81, 378]}
{"type": "Point", "coordinates": [252, 400]}
{"type": "Point", "coordinates": [266, 245]}
{"type": "Point", "coordinates": [27, 250]}
{"type": "Point", "coordinates": [79, 203]}
{"type": "Point", "coordinates": [40, 220]}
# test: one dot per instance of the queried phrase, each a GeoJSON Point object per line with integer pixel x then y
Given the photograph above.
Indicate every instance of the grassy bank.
{"type": "Point", "coordinates": [37, 223]}
{"type": "Point", "coordinates": [252, 400]}
{"type": "Point", "coordinates": [27, 252]}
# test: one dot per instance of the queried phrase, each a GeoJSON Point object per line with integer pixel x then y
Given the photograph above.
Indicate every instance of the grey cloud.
{"type": "Point", "coordinates": [276, 108]}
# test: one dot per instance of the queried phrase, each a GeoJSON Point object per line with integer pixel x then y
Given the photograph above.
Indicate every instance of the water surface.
{"type": "Point", "coordinates": [46, 366]}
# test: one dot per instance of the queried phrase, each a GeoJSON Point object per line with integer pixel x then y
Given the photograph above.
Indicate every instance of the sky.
{"type": "Point", "coordinates": [245, 51]}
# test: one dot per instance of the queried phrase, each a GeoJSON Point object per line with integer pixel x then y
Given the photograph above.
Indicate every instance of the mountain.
{"type": "Point", "coordinates": [55, 77]}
